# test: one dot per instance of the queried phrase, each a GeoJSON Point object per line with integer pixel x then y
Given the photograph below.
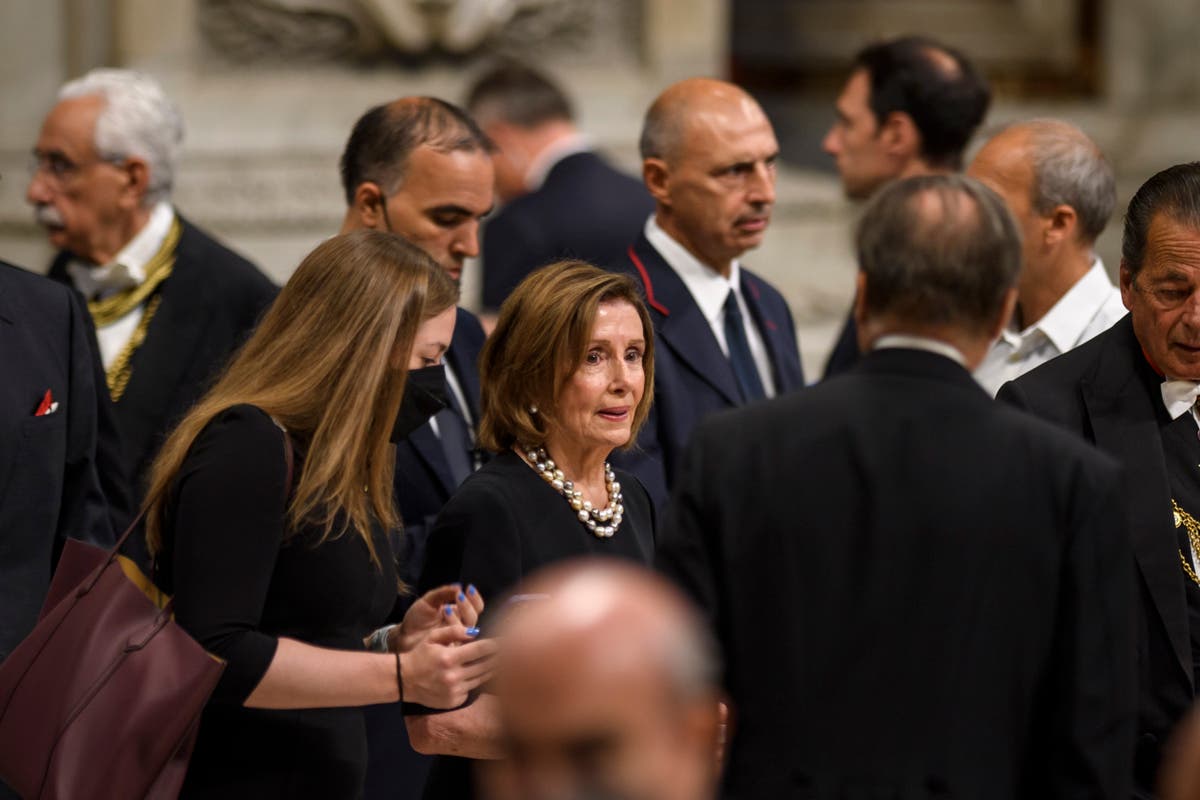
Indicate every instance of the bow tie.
{"type": "Point", "coordinates": [1179, 396]}
{"type": "Point", "coordinates": [102, 281]}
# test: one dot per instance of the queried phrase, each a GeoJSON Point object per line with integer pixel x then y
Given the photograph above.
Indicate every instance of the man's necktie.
{"type": "Point", "coordinates": [740, 358]}
{"type": "Point", "coordinates": [1179, 396]}
{"type": "Point", "coordinates": [456, 439]}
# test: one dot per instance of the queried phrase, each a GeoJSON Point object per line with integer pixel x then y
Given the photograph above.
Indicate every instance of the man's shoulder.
{"type": "Point", "coordinates": [201, 252]}
{"type": "Point", "coordinates": [1064, 372]}
{"type": "Point", "coordinates": [30, 287]}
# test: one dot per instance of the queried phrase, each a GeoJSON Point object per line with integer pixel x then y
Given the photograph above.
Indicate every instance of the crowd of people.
{"type": "Point", "coordinates": [605, 540]}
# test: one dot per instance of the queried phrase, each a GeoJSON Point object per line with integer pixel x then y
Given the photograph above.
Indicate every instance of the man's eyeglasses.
{"type": "Point", "coordinates": [59, 169]}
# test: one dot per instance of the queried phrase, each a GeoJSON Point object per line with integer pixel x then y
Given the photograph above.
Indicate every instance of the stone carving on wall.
{"type": "Point", "coordinates": [415, 30]}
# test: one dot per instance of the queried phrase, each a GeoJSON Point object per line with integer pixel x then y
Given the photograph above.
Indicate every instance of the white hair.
{"type": "Point", "coordinates": [138, 120]}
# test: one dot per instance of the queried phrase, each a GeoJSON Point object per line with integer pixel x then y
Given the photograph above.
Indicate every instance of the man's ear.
{"type": "Point", "coordinates": [1063, 224]}
{"type": "Point", "coordinates": [657, 177]}
{"type": "Point", "coordinates": [136, 173]}
{"type": "Point", "coordinates": [369, 207]}
{"type": "Point", "coordinates": [1006, 311]}
{"type": "Point", "coordinates": [900, 136]}
{"type": "Point", "coordinates": [861, 321]}
{"type": "Point", "coordinates": [1126, 281]}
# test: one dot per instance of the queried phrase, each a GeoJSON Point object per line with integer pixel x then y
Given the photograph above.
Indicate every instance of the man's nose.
{"type": "Point", "coordinates": [466, 240]}
{"type": "Point", "coordinates": [832, 143]}
{"type": "Point", "coordinates": [762, 185]}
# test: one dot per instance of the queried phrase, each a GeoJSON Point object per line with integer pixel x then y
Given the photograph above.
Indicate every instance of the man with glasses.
{"type": "Point", "coordinates": [169, 303]}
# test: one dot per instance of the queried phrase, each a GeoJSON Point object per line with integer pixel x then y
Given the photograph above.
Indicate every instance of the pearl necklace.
{"type": "Point", "coordinates": [602, 522]}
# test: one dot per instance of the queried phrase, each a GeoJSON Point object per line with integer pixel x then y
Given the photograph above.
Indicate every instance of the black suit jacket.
{"type": "Point", "coordinates": [924, 597]}
{"type": "Point", "coordinates": [585, 209]}
{"type": "Point", "coordinates": [210, 305]}
{"type": "Point", "coordinates": [1099, 392]}
{"type": "Point", "coordinates": [692, 376]}
{"type": "Point", "coordinates": [59, 473]}
{"type": "Point", "coordinates": [844, 354]}
{"type": "Point", "coordinates": [423, 478]}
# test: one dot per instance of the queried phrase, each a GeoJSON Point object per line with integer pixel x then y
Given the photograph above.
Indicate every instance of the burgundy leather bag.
{"type": "Point", "coordinates": [103, 698]}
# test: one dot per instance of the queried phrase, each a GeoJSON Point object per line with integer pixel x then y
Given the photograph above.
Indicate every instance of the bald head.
{"type": "Point", "coordinates": [687, 103]}
{"type": "Point", "coordinates": [607, 688]}
{"type": "Point", "coordinates": [708, 160]}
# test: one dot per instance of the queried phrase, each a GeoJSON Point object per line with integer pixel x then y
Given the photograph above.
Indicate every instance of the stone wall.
{"type": "Point", "coordinates": [263, 135]}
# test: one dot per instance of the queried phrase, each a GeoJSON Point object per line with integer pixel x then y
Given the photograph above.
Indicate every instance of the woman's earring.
{"type": "Point", "coordinates": [533, 409]}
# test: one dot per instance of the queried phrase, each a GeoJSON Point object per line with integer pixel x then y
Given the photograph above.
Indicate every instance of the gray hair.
{"type": "Point", "coordinates": [138, 120]}
{"type": "Point", "coordinates": [1069, 169]}
{"type": "Point", "coordinates": [938, 250]}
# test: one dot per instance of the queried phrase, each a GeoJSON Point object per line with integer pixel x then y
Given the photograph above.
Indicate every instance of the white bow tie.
{"type": "Point", "coordinates": [101, 281]}
{"type": "Point", "coordinates": [1179, 396]}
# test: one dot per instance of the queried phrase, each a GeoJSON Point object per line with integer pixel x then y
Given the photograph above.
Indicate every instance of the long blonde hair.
{"type": "Point", "coordinates": [321, 363]}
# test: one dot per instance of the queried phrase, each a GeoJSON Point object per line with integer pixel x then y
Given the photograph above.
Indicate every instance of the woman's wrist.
{"type": "Point", "coordinates": [383, 640]}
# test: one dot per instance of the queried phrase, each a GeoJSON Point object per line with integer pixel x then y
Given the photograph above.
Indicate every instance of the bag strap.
{"type": "Point", "coordinates": [288, 459]}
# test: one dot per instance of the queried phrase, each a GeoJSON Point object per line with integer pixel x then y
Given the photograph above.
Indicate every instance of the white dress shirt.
{"type": "Point", "coordinates": [710, 289]}
{"type": "Point", "coordinates": [1090, 307]}
{"type": "Point", "coordinates": [908, 341]}
{"type": "Point", "coordinates": [125, 271]}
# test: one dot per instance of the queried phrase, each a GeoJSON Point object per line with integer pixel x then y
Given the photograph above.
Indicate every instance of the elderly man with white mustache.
{"type": "Point", "coordinates": [169, 302]}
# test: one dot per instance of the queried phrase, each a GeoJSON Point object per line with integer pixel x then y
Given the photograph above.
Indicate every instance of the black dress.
{"type": "Point", "coordinates": [502, 524]}
{"type": "Point", "coordinates": [238, 586]}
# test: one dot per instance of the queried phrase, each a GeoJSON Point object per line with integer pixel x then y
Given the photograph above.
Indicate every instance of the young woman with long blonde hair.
{"type": "Point", "coordinates": [284, 571]}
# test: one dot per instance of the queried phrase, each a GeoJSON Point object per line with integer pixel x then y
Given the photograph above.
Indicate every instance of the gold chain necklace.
{"type": "Point", "coordinates": [1189, 523]}
{"type": "Point", "coordinates": [110, 309]}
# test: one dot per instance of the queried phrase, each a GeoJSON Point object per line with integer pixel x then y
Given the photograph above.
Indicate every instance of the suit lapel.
{"type": "Point", "coordinates": [1124, 423]}
{"type": "Point", "coordinates": [428, 448]}
{"type": "Point", "coordinates": [681, 326]}
{"type": "Point", "coordinates": [785, 362]}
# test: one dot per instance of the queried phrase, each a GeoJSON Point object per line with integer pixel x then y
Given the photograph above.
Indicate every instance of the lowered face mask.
{"type": "Point", "coordinates": [424, 396]}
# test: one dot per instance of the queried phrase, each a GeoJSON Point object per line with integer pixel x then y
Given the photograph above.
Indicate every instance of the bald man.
{"type": "Point", "coordinates": [607, 689]}
{"type": "Point", "coordinates": [1061, 190]}
{"type": "Point", "coordinates": [725, 336]}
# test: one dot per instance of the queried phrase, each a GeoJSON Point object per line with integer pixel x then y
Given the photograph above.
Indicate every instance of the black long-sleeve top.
{"type": "Point", "coordinates": [239, 585]}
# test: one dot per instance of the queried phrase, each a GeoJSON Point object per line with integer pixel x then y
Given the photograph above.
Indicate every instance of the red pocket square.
{"type": "Point", "coordinates": [48, 405]}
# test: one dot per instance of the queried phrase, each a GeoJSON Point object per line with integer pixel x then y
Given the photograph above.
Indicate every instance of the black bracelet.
{"type": "Point", "coordinates": [399, 679]}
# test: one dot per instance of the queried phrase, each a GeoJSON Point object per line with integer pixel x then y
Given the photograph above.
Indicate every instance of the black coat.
{"type": "Point", "coordinates": [60, 474]}
{"type": "Point", "coordinates": [692, 376]}
{"type": "Point", "coordinates": [919, 593]}
{"type": "Point", "coordinates": [210, 305]}
{"type": "Point", "coordinates": [584, 209]}
{"type": "Point", "coordinates": [423, 483]}
{"type": "Point", "coordinates": [1098, 391]}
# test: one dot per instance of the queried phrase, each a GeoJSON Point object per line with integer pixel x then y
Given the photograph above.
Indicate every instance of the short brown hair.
{"type": "Point", "coordinates": [539, 340]}
{"type": "Point", "coordinates": [938, 250]}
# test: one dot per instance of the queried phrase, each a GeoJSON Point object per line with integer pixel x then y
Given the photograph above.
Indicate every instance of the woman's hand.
{"type": "Point", "coordinates": [448, 605]}
{"type": "Point", "coordinates": [446, 665]}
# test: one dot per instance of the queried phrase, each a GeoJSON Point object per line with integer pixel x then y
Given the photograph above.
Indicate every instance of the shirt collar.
{"type": "Point", "coordinates": [709, 288]}
{"type": "Point", "coordinates": [1067, 319]}
{"type": "Point", "coordinates": [128, 268]}
{"type": "Point", "coordinates": [908, 341]}
{"type": "Point", "coordinates": [541, 164]}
